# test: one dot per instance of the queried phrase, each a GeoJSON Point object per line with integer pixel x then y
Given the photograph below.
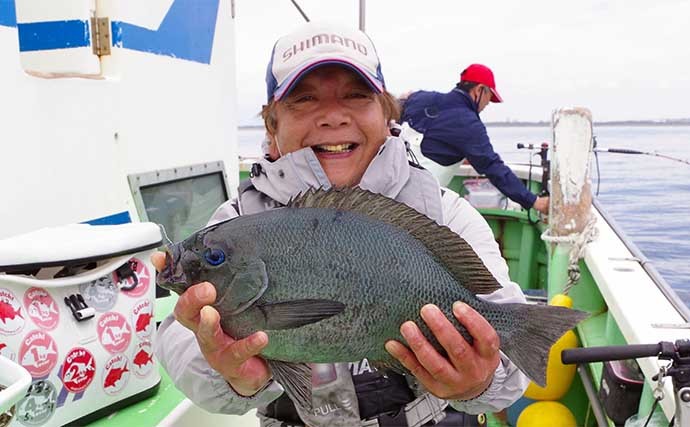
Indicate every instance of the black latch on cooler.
{"type": "Point", "coordinates": [125, 271]}
{"type": "Point", "coordinates": [78, 306]}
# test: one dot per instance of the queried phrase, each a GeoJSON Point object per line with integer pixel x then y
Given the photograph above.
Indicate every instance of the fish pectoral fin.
{"type": "Point", "coordinates": [296, 313]}
{"type": "Point", "coordinates": [247, 286]}
{"type": "Point", "coordinates": [295, 379]}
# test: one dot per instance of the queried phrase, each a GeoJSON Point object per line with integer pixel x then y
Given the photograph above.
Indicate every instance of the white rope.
{"type": "Point", "coordinates": [579, 242]}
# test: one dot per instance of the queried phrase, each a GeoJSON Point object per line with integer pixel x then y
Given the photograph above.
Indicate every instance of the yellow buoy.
{"type": "Point", "coordinates": [558, 376]}
{"type": "Point", "coordinates": [546, 414]}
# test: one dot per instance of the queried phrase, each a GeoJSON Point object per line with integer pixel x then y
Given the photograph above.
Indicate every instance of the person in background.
{"type": "Point", "coordinates": [327, 120]}
{"type": "Point", "coordinates": [445, 128]}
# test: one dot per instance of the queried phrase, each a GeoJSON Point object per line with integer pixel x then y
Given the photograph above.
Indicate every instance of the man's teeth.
{"type": "Point", "coordinates": [335, 148]}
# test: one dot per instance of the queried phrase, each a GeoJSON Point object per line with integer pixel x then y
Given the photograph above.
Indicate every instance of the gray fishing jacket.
{"type": "Point", "coordinates": [389, 174]}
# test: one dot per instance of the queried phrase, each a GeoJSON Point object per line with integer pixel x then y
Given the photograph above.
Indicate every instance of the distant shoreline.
{"type": "Point", "coordinates": [681, 122]}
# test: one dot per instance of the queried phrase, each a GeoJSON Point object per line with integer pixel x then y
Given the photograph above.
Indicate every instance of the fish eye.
{"type": "Point", "coordinates": [214, 256]}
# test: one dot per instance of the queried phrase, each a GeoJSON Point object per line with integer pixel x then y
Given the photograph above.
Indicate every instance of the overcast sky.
{"type": "Point", "coordinates": [621, 59]}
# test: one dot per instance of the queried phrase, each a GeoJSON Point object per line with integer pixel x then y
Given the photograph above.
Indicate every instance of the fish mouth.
{"type": "Point", "coordinates": [172, 276]}
{"type": "Point", "coordinates": [335, 148]}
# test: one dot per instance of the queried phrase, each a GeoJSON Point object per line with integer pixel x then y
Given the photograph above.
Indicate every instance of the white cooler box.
{"type": "Point", "coordinates": [76, 311]}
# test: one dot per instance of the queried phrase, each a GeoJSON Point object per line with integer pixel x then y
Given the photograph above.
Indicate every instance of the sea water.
{"type": "Point", "coordinates": [649, 197]}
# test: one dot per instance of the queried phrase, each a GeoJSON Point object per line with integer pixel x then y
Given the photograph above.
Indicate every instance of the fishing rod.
{"type": "Point", "coordinates": [646, 153]}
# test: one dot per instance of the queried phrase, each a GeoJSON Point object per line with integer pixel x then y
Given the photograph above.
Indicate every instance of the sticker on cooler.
{"type": "Point", "coordinates": [142, 361]}
{"type": "Point", "coordinates": [142, 318]}
{"type": "Point", "coordinates": [38, 405]}
{"type": "Point", "coordinates": [101, 294]}
{"type": "Point", "coordinates": [41, 308]}
{"type": "Point", "coordinates": [113, 332]}
{"type": "Point", "coordinates": [38, 353]}
{"type": "Point", "coordinates": [115, 374]}
{"type": "Point", "coordinates": [11, 314]}
{"type": "Point", "coordinates": [7, 352]}
{"type": "Point", "coordinates": [78, 369]}
{"type": "Point", "coordinates": [133, 280]}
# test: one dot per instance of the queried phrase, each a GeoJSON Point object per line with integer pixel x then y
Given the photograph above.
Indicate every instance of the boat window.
{"type": "Point", "coordinates": [180, 199]}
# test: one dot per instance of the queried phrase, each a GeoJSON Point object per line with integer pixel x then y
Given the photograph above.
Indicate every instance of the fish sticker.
{"type": "Point", "coordinates": [42, 309]}
{"type": "Point", "coordinates": [142, 361]}
{"type": "Point", "coordinates": [12, 318]}
{"type": "Point", "coordinates": [115, 374]}
{"type": "Point", "coordinates": [114, 333]}
{"type": "Point", "coordinates": [38, 353]}
{"type": "Point", "coordinates": [101, 294]}
{"type": "Point", "coordinates": [142, 319]}
{"type": "Point", "coordinates": [143, 279]}
{"type": "Point", "coordinates": [38, 405]}
{"type": "Point", "coordinates": [78, 369]}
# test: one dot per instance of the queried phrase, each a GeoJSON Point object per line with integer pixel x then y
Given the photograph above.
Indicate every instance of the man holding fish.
{"type": "Point", "coordinates": [280, 307]}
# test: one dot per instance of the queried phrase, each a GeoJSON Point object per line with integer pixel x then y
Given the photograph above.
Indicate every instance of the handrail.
{"type": "Point", "coordinates": [653, 273]}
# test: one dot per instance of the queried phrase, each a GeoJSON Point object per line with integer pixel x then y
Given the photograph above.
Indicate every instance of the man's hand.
{"type": "Point", "coordinates": [542, 204]}
{"type": "Point", "coordinates": [235, 360]}
{"type": "Point", "coordinates": [468, 370]}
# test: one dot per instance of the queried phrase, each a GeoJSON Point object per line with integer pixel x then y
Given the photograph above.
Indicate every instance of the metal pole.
{"type": "Point", "coordinates": [362, 12]}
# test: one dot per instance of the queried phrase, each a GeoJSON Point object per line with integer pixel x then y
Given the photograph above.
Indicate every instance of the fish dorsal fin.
{"type": "Point", "coordinates": [451, 250]}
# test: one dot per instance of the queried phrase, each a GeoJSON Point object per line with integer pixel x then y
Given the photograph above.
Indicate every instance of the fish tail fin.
{"type": "Point", "coordinates": [537, 328]}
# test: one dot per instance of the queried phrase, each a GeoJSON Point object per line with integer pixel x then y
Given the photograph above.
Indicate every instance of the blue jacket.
{"type": "Point", "coordinates": [453, 131]}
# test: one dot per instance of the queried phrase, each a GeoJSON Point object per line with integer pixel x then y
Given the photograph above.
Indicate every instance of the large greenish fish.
{"type": "Point", "coordinates": [332, 276]}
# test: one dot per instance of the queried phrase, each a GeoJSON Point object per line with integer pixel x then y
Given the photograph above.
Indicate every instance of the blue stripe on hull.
{"type": "Point", "coordinates": [53, 35]}
{"type": "Point", "coordinates": [115, 219]}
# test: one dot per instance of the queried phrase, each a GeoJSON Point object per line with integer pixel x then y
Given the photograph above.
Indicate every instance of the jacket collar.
{"type": "Point", "coordinates": [463, 96]}
{"type": "Point", "coordinates": [297, 172]}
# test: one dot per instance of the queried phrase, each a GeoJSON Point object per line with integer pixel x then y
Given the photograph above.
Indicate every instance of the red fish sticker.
{"type": "Point", "coordinates": [11, 315]}
{"type": "Point", "coordinates": [142, 361]}
{"type": "Point", "coordinates": [78, 369]}
{"type": "Point", "coordinates": [7, 351]}
{"type": "Point", "coordinates": [142, 318]}
{"type": "Point", "coordinates": [137, 285]}
{"type": "Point", "coordinates": [38, 353]}
{"type": "Point", "coordinates": [115, 374]}
{"type": "Point", "coordinates": [113, 332]}
{"type": "Point", "coordinates": [41, 308]}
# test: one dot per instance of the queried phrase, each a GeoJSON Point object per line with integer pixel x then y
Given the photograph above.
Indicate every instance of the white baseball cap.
{"type": "Point", "coordinates": [314, 45]}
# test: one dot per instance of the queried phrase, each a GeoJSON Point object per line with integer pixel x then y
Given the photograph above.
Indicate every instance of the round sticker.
{"type": "Point", "coordinates": [7, 351]}
{"type": "Point", "coordinates": [38, 405]}
{"type": "Point", "coordinates": [142, 361]}
{"type": "Point", "coordinates": [101, 294]}
{"type": "Point", "coordinates": [115, 374]}
{"type": "Point", "coordinates": [38, 353]}
{"type": "Point", "coordinates": [78, 369]}
{"type": "Point", "coordinates": [11, 314]}
{"type": "Point", "coordinates": [142, 318]}
{"type": "Point", "coordinates": [129, 285]}
{"type": "Point", "coordinates": [113, 332]}
{"type": "Point", "coordinates": [41, 308]}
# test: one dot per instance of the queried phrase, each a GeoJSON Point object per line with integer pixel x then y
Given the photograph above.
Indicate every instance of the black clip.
{"type": "Point", "coordinates": [256, 170]}
{"type": "Point", "coordinates": [125, 271]}
{"type": "Point", "coordinates": [78, 306]}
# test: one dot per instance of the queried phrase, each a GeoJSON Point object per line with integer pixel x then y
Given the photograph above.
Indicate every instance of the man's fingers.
{"type": "Point", "coordinates": [434, 363]}
{"type": "Point", "coordinates": [486, 341]}
{"type": "Point", "coordinates": [409, 361]}
{"type": "Point", "coordinates": [453, 342]}
{"type": "Point", "coordinates": [209, 333]}
{"type": "Point", "coordinates": [158, 260]}
{"type": "Point", "coordinates": [249, 347]}
{"type": "Point", "coordinates": [192, 301]}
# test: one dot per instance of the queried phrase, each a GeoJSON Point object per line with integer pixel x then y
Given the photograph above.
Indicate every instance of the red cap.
{"type": "Point", "coordinates": [478, 73]}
